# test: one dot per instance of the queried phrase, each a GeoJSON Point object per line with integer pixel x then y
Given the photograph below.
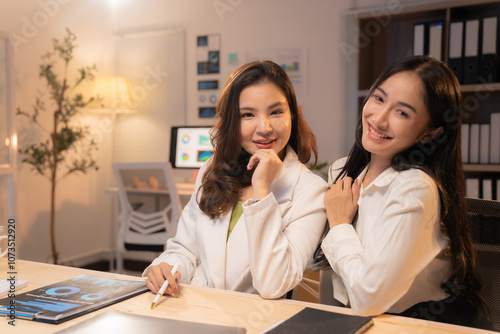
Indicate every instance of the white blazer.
{"type": "Point", "coordinates": [270, 246]}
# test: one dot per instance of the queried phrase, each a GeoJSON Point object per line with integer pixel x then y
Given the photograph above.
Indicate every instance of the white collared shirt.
{"type": "Point", "coordinates": [394, 259]}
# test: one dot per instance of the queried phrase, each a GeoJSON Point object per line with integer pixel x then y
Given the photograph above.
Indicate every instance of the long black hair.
{"type": "Point", "coordinates": [440, 158]}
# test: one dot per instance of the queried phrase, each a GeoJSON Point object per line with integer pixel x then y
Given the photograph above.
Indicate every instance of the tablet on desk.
{"type": "Point", "coordinates": [71, 298]}
{"type": "Point", "coordinates": [128, 323]}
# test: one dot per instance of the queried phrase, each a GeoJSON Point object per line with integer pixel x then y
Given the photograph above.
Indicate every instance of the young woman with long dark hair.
{"type": "Point", "coordinates": [398, 239]}
{"type": "Point", "coordinates": [257, 213]}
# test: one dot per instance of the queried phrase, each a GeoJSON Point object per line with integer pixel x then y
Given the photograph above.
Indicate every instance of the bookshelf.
{"type": "Point", "coordinates": [385, 34]}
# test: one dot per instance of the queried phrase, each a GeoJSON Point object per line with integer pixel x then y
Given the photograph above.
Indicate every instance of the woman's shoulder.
{"type": "Point", "coordinates": [415, 175]}
{"type": "Point", "coordinates": [414, 180]}
{"type": "Point", "coordinates": [293, 166]}
{"type": "Point", "coordinates": [296, 178]}
{"type": "Point", "coordinates": [414, 189]}
{"type": "Point", "coordinates": [338, 164]}
{"type": "Point", "coordinates": [336, 167]}
{"type": "Point", "coordinates": [308, 185]}
{"type": "Point", "coordinates": [311, 177]}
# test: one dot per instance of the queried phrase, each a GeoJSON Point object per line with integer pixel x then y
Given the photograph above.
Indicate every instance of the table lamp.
{"type": "Point", "coordinates": [113, 94]}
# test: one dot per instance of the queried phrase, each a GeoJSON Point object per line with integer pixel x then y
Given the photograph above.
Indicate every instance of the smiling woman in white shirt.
{"type": "Point", "coordinates": [398, 239]}
{"type": "Point", "coordinates": [257, 213]}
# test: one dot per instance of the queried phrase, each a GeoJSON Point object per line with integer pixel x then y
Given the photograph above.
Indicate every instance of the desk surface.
{"type": "Point", "coordinates": [183, 189]}
{"type": "Point", "coordinates": [203, 305]}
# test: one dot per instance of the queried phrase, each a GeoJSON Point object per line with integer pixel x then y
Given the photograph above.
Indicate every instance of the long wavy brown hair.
{"type": "Point", "coordinates": [226, 175]}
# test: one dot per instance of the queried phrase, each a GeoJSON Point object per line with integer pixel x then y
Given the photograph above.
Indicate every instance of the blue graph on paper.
{"type": "Point", "coordinates": [61, 301]}
{"type": "Point", "coordinates": [47, 305]}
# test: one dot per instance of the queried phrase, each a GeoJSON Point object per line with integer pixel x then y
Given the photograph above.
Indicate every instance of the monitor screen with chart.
{"type": "Point", "coordinates": [190, 146]}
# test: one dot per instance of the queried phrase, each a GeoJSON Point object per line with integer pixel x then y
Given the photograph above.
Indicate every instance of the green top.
{"type": "Point", "coordinates": [235, 215]}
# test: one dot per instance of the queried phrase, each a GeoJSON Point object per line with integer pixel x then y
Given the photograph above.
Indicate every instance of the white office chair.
{"type": "Point", "coordinates": [149, 207]}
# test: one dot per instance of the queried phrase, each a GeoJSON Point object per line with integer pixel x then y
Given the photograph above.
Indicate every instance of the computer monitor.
{"type": "Point", "coordinates": [190, 146]}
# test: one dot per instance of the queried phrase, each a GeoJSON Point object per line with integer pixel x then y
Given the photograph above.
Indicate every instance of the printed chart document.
{"type": "Point", "coordinates": [70, 298]}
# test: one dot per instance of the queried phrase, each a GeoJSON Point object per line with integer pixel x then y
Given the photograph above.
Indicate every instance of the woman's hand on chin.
{"type": "Point", "coordinates": [267, 166]}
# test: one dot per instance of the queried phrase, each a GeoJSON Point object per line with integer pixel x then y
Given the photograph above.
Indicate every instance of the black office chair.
{"type": "Point", "coordinates": [484, 219]}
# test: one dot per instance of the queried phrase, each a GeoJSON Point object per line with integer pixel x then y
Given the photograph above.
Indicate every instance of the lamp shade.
{"type": "Point", "coordinates": [112, 93]}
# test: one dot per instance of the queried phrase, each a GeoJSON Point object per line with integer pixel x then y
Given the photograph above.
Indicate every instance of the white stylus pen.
{"type": "Point", "coordinates": [164, 286]}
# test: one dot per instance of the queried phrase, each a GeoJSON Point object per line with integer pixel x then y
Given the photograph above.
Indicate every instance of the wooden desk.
{"type": "Point", "coordinates": [183, 189]}
{"type": "Point", "coordinates": [203, 305]}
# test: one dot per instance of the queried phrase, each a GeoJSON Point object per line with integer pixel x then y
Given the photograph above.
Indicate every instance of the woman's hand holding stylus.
{"type": "Point", "coordinates": [157, 276]}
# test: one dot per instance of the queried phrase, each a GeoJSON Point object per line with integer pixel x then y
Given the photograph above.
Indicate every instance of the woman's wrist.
{"type": "Point", "coordinates": [256, 199]}
{"type": "Point", "coordinates": [259, 194]}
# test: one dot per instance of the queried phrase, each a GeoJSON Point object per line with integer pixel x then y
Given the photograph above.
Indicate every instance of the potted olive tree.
{"type": "Point", "coordinates": [68, 147]}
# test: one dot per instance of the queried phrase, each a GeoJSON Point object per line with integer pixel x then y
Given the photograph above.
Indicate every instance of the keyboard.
{"type": "Point", "coordinates": [5, 286]}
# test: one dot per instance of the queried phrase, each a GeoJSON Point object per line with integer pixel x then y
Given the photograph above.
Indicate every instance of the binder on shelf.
{"type": "Point", "coordinates": [436, 40]}
{"type": "Point", "coordinates": [484, 143]}
{"type": "Point", "coordinates": [472, 187]}
{"type": "Point", "coordinates": [465, 142]}
{"type": "Point", "coordinates": [488, 68]}
{"type": "Point", "coordinates": [498, 190]}
{"type": "Point", "coordinates": [420, 47]}
{"type": "Point", "coordinates": [487, 189]}
{"type": "Point", "coordinates": [456, 52]}
{"type": "Point", "coordinates": [495, 138]}
{"type": "Point", "coordinates": [471, 49]}
{"type": "Point", "coordinates": [428, 39]}
{"type": "Point", "coordinates": [474, 143]}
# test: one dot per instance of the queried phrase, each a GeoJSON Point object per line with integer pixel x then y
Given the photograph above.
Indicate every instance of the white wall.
{"type": "Point", "coordinates": [245, 26]}
{"type": "Point", "coordinates": [84, 210]}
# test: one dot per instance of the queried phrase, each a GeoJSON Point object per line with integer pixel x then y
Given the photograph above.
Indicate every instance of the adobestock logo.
{"type": "Point", "coordinates": [223, 6]}
{"type": "Point", "coordinates": [31, 26]}
{"type": "Point", "coordinates": [372, 28]}
{"type": "Point", "coordinates": [153, 78]}
{"type": "Point", "coordinates": [263, 311]}
{"type": "Point", "coordinates": [453, 119]}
